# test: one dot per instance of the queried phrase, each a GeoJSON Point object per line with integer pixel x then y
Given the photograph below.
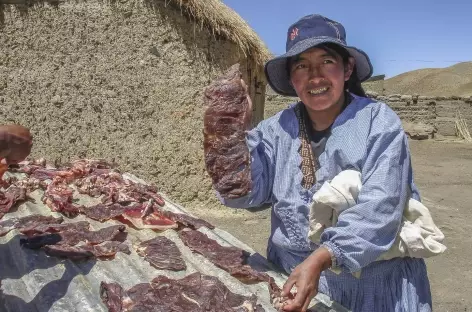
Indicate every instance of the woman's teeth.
{"type": "Point", "coordinates": [318, 91]}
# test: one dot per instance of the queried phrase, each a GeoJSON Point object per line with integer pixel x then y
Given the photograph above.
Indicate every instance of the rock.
{"type": "Point", "coordinates": [419, 131]}
{"type": "Point", "coordinates": [382, 98]}
{"type": "Point", "coordinates": [110, 93]}
{"type": "Point", "coordinates": [407, 98]}
{"type": "Point", "coordinates": [424, 98]}
{"type": "Point", "coordinates": [154, 51]}
{"type": "Point", "coordinates": [372, 94]}
{"type": "Point", "coordinates": [57, 101]}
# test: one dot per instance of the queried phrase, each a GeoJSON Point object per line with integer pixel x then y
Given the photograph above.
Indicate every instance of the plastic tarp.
{"type": "Point", "coordinates": [32, 281]}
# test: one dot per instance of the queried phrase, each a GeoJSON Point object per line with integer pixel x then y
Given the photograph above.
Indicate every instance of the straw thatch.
{"type": "Point", "coordinates": [213, 15]}
{"type": "Point", "coordinates": [462, 129]}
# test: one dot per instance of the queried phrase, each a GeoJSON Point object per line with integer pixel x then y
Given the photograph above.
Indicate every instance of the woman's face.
{"type": "Point", "coordinates": [318, 78]}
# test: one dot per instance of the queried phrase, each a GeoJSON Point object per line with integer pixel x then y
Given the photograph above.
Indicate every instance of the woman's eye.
{"type": "Point", "coordinates": [328, 62]}
{"type": "Point", "coordinates": [300, 66]}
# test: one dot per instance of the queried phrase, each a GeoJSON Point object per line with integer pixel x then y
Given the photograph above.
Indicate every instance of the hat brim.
{"type": "Point", "coordinates": [276, 69]}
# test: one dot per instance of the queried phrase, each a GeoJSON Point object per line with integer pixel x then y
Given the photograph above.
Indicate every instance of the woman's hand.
{"type": "Point", "coordinates": [15, 143]}
{"type": "Point", "coordinates": [306, 277]}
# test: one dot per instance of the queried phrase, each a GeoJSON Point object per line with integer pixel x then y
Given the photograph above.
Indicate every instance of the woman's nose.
{"type": "Point", "coordinates": [315, 73]}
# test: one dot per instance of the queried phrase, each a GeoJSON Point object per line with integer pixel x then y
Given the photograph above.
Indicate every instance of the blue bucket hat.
{"type": "Point", "coordinates": [306, 33]}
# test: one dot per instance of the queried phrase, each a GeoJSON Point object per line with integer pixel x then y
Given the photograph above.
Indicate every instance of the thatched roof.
{"type": "Point", "coordinates": [225, 22]}
{"type": "Point", "coordinates": [213, 15]}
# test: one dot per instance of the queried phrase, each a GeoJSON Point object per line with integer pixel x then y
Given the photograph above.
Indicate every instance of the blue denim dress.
{"type": "Point", "coordinates": [367, 136]}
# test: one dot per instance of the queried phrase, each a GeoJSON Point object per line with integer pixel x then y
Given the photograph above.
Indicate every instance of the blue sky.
{"type": "Point", "coordinates": [398, 35]}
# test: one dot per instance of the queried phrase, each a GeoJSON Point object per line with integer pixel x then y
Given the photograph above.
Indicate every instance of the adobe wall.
{"type": "Point", "coordinates": [121, 82]}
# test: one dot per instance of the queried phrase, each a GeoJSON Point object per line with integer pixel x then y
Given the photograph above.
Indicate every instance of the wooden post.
{"type": "Point", "coordinates": [257, 85]}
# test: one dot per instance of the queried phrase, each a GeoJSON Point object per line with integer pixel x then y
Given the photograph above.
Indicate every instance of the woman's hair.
{"type": "Point", "coordinates": [353, 84]}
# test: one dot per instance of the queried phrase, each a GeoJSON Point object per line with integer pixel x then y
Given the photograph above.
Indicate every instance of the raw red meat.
{"type": "Point", "coordinates": [162, 253]}
{"type": "Point", "coordinates": [26, 223]}
{"type": "Point", "coordinates": [231, 259]}
{"type": "Point", "coordinates": [104, 212]}
{"type": "Point", "coordinates": [106, 249]}
{"type": "Point", "coordinates": [75, 240]}
{"type": "Point", "coordinates": [155, 220]}
{"type": "Point", "coordinates": [10, 197]}
{"type": "Point", "coordinates": [195, 292]}
{"type": "Point", "coordinates": [226, 119]}
{"type": "Point", "coordinates": [58, 197]}
{"type": "Point", "coordinates": [187, 221]}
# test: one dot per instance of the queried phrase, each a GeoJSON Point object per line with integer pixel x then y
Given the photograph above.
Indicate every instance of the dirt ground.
{"type": "Point", "coordinates": [443, 173]}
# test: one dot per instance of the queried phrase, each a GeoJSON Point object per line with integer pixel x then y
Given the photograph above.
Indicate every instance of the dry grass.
{"type": "Point", "coordinates": [213, 15]}
{"type": "Point", "coordinates": [225, 22]}
{"type": "Point", "coordinates": [462, 128]}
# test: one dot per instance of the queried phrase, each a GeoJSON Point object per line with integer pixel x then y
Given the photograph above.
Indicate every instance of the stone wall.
{"type": "Point", "coordinates": [428, 117]}
{"type": "Point", "coordinates": [423, 117]}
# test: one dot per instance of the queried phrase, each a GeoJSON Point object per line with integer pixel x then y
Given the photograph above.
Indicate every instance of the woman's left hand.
{"type": "Point", "coordinates": [306, 277]}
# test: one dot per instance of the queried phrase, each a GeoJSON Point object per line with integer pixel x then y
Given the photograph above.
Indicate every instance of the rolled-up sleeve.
{"type": "Point", "coordinates": [369, 228]}
{"type": "Point", "coordinates": [260, 144]}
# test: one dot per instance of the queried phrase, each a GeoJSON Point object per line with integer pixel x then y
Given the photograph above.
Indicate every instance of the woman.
{"type": "Point", "coordinates": [333, 128]}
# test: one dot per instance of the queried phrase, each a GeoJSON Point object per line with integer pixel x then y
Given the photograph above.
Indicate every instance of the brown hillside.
{"type": "Point", "coordinates": [453, 80]}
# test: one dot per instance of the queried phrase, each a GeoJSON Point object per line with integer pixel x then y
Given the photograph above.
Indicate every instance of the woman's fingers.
{"type": "Point", "coordinates": [287, 288]}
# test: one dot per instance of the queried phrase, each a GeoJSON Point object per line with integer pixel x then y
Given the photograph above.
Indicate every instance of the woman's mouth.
{"type": "Point", "coordinates": [318, 91]}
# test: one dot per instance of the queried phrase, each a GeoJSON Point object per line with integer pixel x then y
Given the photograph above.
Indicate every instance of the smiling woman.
{"type": "Point", "coordinates": [334, 127]}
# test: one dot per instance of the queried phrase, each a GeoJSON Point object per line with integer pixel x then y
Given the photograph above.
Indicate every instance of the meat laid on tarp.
{"type": "Point", "coordinates": [75, 240]}
{"type": "Point", "coordinates": [195, 292]}
{"type": "Point", "coordinates": [27, 223]}
{"type": "Point", "coordinates": [187, 221]}
{"type": "Point", "coordinates": [226, 120]}
{"type": "Point", "coordinates": [117, 189]}
{"type": "Point", "coordinates": [162, 253]}
{"type": "Point", "coordinates": [72, 233]}
{"type": "Point", "coordinates": [58, 196]}
{"type": "Point", "coordinates": [12, 195]}
{"type": "Point", "coordinates": [106, 249]}
{"type": "Point", "coordinates": [231, 259]}
{"type": "Point", "coordinates": [104, 212]}
{"type": "Point", "coordinates": [154, 220]}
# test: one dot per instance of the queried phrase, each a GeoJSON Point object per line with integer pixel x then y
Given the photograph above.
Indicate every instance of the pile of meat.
{"type": "Point", "coordinates": [135, 205]}
{"type": "Point", "coordinates": [132, 203]}
{"type": "Point", "coordinates": [226, 119]}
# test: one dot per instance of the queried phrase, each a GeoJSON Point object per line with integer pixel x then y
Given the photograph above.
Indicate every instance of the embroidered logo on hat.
{"type": "Point", "coordinates": [294, 33]}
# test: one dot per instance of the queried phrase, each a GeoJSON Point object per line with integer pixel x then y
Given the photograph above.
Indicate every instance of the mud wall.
{"type": "Point", "coordinates": [120, 82]}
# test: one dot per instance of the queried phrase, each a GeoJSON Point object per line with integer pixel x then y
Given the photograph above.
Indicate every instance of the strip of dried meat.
{"type": "Point", "coordinates": [226, 119]}
{"type": "Point", "coordinates": [25, 223]}
{"type": "Point", "coordinates": [154, 220]}
{"type": "Point", "coordinates": [187, 221]}
{"type": "Point", "coordinates": [10, 197]}
{"type": "Point", "coordinates": [75, 240]}
{"type": "Point", "coordinates": [231, 259]}
{"type": "Point", "coordinates": [195, 292]}
{"type": "Point", "coordinates": [104, 212]}
{"type": "Point", "coordinates": [106, 249]}
{"type": "Point", "coordinates": [162, 253]}
{"type": "Point", "coordinates": [71, 234]}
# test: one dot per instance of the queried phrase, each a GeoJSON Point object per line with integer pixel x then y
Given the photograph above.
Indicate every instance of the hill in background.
{"type": "Point", "coordinates": [453, 80]}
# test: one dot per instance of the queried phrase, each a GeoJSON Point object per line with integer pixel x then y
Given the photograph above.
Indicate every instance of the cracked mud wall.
{"type": "Point", "coordinates": [122, 82]}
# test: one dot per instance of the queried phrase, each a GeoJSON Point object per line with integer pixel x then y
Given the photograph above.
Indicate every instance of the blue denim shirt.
{"type": "Point", "coordinates": [367, 136]}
